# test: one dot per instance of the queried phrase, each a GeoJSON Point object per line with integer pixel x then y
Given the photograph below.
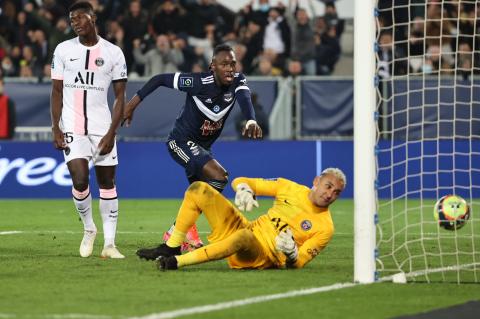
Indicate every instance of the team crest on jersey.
{"type": "Point", "coordinates": [99, 61]}
{"type": "Point", "coordinates": [185, 82]}
{"type": "Point", "coordinates": [228, 97]}
{"type": "Point", "coordinates": [306, 224]}
{"type": "Point", "coordinates": [216, 108]}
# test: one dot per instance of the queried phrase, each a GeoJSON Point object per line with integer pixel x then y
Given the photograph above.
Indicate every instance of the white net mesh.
{"type": "Point", "coordinates": [428, 146]}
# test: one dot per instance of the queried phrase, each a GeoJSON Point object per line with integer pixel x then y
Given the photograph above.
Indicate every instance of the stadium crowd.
{"type": "Point", "coordinates": [159, 36]}
{"type": "Point", "coordinates": [434, 37]}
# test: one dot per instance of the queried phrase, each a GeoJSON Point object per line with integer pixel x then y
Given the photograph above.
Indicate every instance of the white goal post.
{"type": "Point", "coordinates": [364, 141]}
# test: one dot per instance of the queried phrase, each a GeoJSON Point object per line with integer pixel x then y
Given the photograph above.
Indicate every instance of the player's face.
{"type": "Point", "coordinates": [82, 22]}
{"type": "Point", "coordinates": [326, 190]}
{"type": "Point", "coordinates": [223, 65]}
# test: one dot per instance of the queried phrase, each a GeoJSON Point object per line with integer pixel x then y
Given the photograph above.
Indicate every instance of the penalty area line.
{"type": "Point", "coordinates": [243, 302]}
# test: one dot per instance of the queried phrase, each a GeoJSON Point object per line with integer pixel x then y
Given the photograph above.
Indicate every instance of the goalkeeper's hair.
{"type": "Point", "coordinates": [82, 5]}
{"type": "Point", "coordinates": [337, 173]}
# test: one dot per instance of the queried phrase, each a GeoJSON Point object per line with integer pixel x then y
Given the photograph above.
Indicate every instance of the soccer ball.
{"type": "Point", "coordinates": [451, 212]}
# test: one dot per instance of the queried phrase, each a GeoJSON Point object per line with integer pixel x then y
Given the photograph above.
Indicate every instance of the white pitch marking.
{"type": "Point", "coordinates": [10, 232]}
{"type": "Point", "coordinates": [243, 302]}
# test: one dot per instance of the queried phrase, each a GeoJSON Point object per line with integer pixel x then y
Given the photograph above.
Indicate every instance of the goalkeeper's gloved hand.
{"type": "Point", "coordinates": [285, 243]}
{"type": "Point", "coordinates": [245, 198]}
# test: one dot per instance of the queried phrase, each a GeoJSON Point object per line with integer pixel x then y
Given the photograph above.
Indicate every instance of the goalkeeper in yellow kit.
{"type": "Point", "coordinates": [290, 234]}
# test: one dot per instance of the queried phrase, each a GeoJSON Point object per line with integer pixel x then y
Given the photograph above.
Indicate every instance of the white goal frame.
{"type": "Point", "coordinates": [364, 141]}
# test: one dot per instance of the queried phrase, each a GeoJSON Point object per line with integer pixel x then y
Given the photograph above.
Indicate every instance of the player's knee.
{"type": "Point", "coordinates": [218, 184]}
{"type": "Point", "coordinates": [80, 185]}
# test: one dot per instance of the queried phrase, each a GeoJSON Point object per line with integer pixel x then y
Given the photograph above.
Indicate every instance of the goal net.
{"type": "Point", "coordinates": [428, 137]}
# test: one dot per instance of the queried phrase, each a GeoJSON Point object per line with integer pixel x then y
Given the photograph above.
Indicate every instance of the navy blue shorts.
{"type": "Point", "coordinates": [191, 156]}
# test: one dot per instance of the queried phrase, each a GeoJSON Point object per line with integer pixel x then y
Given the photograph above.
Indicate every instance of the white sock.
{"type": "Point", "coordinates": [83, 204]}
{"type": "Point", "coordinates": [109, 211]}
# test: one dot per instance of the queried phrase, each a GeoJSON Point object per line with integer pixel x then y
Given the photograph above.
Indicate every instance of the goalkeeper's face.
{"type": "Point", "coordinates": [326, 190]}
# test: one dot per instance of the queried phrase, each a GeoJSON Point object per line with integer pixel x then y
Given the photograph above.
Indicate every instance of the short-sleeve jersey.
{"type": "Point", "coordinates": [87, 73]}
{"type": "Point", "coordinates": [312, 226]}
{"type": "Point", "coordinates": [206, 107]}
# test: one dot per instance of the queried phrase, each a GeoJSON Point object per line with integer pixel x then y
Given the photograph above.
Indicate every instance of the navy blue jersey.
{"type": "Point", "coordinates": [207, 105]}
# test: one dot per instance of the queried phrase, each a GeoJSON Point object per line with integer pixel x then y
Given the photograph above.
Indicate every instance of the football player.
{"type": "Point", "coordinates": [292, 232]}
{"type": "Point", "coordinates": [210, 99]}
{"type": "Point", "coordinates": [82, 70]}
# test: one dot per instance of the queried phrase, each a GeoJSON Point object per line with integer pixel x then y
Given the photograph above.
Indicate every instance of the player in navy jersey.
{"type": "Point", "coordinates": [210, 99]}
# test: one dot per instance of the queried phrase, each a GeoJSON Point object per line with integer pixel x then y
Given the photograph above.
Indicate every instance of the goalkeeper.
{"type": "Point", "coordinates": [290, 234]}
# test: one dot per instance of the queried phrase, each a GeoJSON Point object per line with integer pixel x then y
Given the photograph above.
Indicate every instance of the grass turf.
{"type": "Point", "coordinates": [42, 275]}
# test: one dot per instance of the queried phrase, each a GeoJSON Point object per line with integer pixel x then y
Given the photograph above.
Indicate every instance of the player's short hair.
{"type": "Point", "coordinates": [222, 47]}
{"type": "Point", "coordinates": [81, 5]}
{"type": "Point", "coordinates": [337, 173]}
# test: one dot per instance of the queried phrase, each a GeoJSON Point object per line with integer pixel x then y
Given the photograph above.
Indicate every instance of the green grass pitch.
{"type": "Point", "coordinates": [42, 275]}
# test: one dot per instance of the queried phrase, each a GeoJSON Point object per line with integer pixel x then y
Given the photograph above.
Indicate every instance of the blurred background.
{"type": "Point", "coordinates": [293, 52]}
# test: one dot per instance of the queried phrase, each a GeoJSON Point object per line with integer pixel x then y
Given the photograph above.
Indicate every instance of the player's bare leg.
{"type": "Point", "coordinates": [82, 199]}
{"type": "Point", "coordinates": [108, 204]}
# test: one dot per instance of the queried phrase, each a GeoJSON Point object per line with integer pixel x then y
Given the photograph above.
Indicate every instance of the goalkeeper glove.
{"type": "Point", "coordinates": [284, 242]}
{"type": "Point", "coordinates": [244, 198]}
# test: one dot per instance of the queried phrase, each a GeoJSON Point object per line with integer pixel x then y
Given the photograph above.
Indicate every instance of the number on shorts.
{"type": "Point", "coordinates": [68, 136]}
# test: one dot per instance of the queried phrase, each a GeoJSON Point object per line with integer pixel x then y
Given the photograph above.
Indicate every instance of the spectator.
{"type": "Point", "coordinates": [7, 114]}
{"type": "Point", "coordinates": [115, 34]}
{"type": "Point", "coordinates": [27, 63]}
{"type": "Point", "coordinates": [465, 59]}
{"type": "Point", "coordinates": [169, 18]}
{"type": "Point", "coordinates": [200, 14]}
{"type": "Point", "coordinates": [21, 29]}
{"type": "Point", "coordinates": [40, 51]}
{"type": "Point", "coordinates": [332, 19]}
{"type": "Point", "coordinates": [432, 60]}
{"type": "Point", "coordinates": [135, 26]}
{"type": "Point", "coordinates": [328, 51]}
{"type": "Point", "coordinates": [303, 40]}
{"type": "Point", "coordinates": [161, 59]}
{"type": "Point", "coordinates": [260, 115]}
{"type": "Point", "coordinates": [180, 42]}
{"type": "Point", "coordinates": [8, 68]}
{"type": "Point", "coordinates": [277, 35]}
{"type": "Point", "coordinates": [264, 67]}
{"type": "Point", "coordinates": [294, 68]}
{"type": "Point", "coordinates": [416, 44]}
{"type": "Point", "coordinates": [390, 60]}
{"type": "Point", "coordinates": [252, 38]}
{"type": "Point", "coordinates": [60, 33]}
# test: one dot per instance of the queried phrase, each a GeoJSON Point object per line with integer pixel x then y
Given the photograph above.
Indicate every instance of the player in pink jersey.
{"type": "Point", "coordinates": [83, 127]}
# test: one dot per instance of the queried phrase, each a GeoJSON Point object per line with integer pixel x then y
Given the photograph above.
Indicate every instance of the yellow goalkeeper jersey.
{"type": "Point", "coordinates": [312, 226]}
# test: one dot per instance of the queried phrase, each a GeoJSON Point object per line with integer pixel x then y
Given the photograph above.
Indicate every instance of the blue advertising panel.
{"type": "Point", "coordinates": [145, 170]}
{"type": "Point", "coordinates": [432, 169]}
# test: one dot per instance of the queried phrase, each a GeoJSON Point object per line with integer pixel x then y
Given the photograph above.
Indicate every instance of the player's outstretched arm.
{"type": "Point", "coordinates": [56, 105]}
{"type": "Point", "coordinates": [129, 109]}
{"type": "Point", "coordinates": [166, 80]}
